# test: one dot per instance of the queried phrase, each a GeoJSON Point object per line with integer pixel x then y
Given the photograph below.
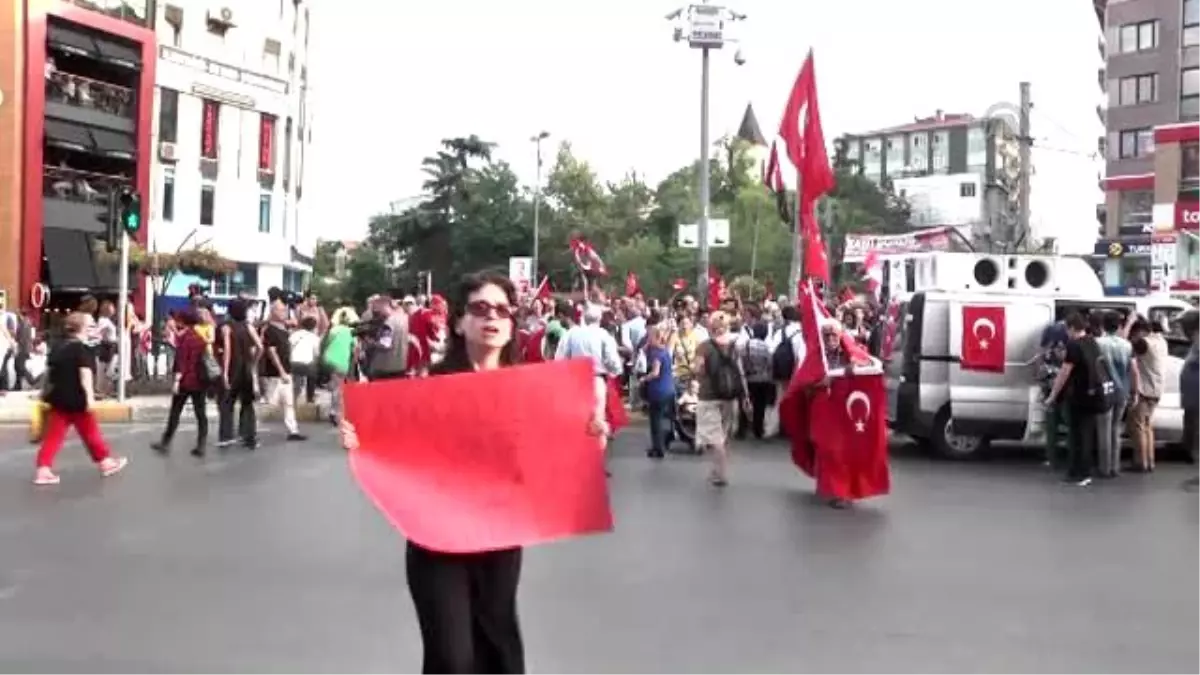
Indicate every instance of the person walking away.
{"type": "Point", "coordinates": [1083, 384]}
{"type": "Point", "coordinates": [787, 352]}
{"type": "Point", "coordinates": [659, 390]}
{"type": "Point", "coordinates": [336, 357]}
{"type": "Point", "coordinates": [277, 373]}
{"type": "Point", "coordinates": [190, 384]}
{"type": "Point", "coordinates": [1150, 352]}
{"type": "Point", "coordinates": [722, 387]}
{"type": "Point", "coordinates": [238, 347]}
{"type": "Point", "coordinates": [633, 332]}
{"type": "Point", "coordinates": [756, 363]}
{"type": "Point", "coordinates": [71, 397]}
{"type": "Point", "coordinates": [590, 341]}
{"type": "Point", "coordinates": [305, 347]}
{"type": "Point", "coordinates": [1119, 353]}
{"type": "Point", "coordinates": [466, 603]}
{"type": "Point", "coordinates": [1104, 418]}
{"type": "Point", "coordinates": [1189, 391]}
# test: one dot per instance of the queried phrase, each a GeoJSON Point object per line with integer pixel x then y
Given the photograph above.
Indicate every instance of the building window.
{"type": "Point", "coordinates": [918, 152]}
{"type": "Point", "coordinates": [210, 129]}
{"type": "Point", "coordinates": [293, 280]}
{"type": "Point", "coordinates": [1189, 94]}
{"type": "Point", "coordinates": [1191, 23]}
{"type": "Point", "coordinates": [1189, 155]}
{"type": "Point", "coordinates": [895, 155]}
{"type": "Point", "coordinates": [168, 115]}
{"type": "Point", "coordinates": [966, 189]}
{"type": "Point", "coordinates": [208, 204]}
{"type": "Point", "coordinates": [1138, 89]}
{"type": "Point", "coordinates": [1138, 37]}
{"type": "Point", "coordinates": [264, 213]}
{"type": "Point", "coordinates": [168, 195]}
{"type": "Point", "coordinates": [244, 279]}
{"type": "Point", "coordinates": [941, 151]}
{"type": "Point", "coordinates": [977, 149]}
{"type": "Point", "coordinates": [1137, 207]}
{"type": "Point", "coordinates": [1136, 143]}
{"type": "Point", "coordinates": [266, 143]}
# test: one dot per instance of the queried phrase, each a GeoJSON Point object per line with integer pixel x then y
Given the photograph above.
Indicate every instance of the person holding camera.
{"type": "Point", "coordinates": [383, 335]}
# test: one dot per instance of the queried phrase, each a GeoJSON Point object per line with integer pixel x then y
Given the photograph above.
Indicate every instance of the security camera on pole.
{"type": "Point", "coordinates": [703, 26]}
{"type": "Point", "coordinates": [124, 221]}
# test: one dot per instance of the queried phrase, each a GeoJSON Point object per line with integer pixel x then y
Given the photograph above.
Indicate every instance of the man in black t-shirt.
{"type": "Point", "coordinates": [277, 370]}
{"type": "Point", "coordinates": [1071, 386]}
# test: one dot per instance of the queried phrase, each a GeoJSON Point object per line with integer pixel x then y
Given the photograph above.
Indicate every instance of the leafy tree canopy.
{"type": "Point", "coordinates": [476, 215]}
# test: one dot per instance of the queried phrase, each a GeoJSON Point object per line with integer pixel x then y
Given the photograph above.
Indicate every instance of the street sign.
{"type": "Point", "coordinates": [718, 234]}
{"type": "Point", "coordinates": [706, 26]}
{"type": "Point", "coordinates": [520, 270]}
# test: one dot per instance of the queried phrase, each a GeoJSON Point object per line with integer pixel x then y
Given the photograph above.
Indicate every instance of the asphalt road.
{"type": "Point", "coordinates": [273, 561]}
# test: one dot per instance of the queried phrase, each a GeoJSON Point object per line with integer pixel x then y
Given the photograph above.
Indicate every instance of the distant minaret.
{"type": "Point", "coordinates": [750, 132]}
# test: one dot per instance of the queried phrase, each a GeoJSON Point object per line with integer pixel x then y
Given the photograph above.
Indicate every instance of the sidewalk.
{"type": "Point", "coordinates": [16, 408]}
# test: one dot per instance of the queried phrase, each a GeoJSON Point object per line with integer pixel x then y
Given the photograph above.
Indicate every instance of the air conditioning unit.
{"type": "Point", "coordinates": [1033, 274]}
{"type": "Point", "coordinates": [167, 151]}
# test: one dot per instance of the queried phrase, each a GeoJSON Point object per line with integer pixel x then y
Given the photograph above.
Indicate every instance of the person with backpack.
{"type": "Point", "coordinates": [1085, 384]}
{"type": "Point", "coordinates": [722, 388]}
{"type": "Point", "coordinates": [760, 383]}
{"type": "Point", "coordinates": [787, 350]}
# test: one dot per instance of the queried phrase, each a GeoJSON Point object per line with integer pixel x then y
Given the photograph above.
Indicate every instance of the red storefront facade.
{"type": "Point", "coordinates": [39, 17]}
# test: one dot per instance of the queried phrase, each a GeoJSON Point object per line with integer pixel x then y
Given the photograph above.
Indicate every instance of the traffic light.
{"type": "Point", "coordinates": [112, 235]}
{"type": "Point", "coordinates": [131, 211]}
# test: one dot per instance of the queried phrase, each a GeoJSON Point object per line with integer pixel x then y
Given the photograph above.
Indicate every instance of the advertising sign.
{"type": "Point", "coordinates": [1187, 215]}
{"type": "Point", "coordinates": [520, 270]}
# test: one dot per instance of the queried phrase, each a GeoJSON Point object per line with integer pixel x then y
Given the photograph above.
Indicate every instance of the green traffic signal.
{"type": "Point", "coordinates": [131, 211]}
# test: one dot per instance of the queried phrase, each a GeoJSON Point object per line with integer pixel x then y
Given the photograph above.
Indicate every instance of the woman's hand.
{"type": "Point", "coordinates": [349, 436]}
{"type": "Point", "coordinates": [598, 427]}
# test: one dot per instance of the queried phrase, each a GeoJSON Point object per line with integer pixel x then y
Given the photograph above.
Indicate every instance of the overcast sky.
{"type": "Point", "coordinates": [391, 80]}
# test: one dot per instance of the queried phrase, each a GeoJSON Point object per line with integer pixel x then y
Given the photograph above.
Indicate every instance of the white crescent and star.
{"type": "Point", "coordinates": [859, 424]}
{"type": "Point", "coordinates": [986, 322]}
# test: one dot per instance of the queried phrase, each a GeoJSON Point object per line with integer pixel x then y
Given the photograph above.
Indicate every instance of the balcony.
{"type": "Point", "coordinates": [1102, 47]}
{"type": "Point", "coordinates": [1102, 79]}
{"type": "Point", "coordinates": [1099, 6]}
{"type": "Point", "coordinates": [132, 11]}
{"type": "Point", "coordinates": [1102, 114]}
{"type": "Point", "coordinates": [77, 200]}
{"type": "Point", "coordinates": [82, 100]}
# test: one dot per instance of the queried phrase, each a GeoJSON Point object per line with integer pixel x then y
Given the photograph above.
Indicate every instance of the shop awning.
{"type": "Point", "coordinates": [90, 139]}
{"type": "Point", "coordinates": [69, 261]}
{"type": "Point", "coordinates": [113, 144]}
{"type": "Point", "coordinates": [73, 136]}
{"type": "Point", "coordinates": [119, 53]}
{"type": "Point", "coordinates": [71, 40]}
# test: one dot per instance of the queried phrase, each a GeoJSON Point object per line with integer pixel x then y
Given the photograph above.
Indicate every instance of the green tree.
{"type": "Point", "coordinates": [366, 274]}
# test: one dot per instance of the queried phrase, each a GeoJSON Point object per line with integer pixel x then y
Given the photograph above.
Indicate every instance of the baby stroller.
{"type": "Point", "coordinates": [683, 422]}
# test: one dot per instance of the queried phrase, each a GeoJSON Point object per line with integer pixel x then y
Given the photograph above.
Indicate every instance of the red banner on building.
{"type": "Point", "coordinates": [266, 143]}
{"type": "Point", "coordinates": [210, 129]}
{"type": "Point", "coordinates": [1187, 215]}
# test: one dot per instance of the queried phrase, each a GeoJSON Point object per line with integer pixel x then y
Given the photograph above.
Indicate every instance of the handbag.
{"type": "Point", "coordinates": [210, 370]}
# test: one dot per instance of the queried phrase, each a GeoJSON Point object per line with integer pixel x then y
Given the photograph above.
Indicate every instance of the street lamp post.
{"type": "Point", "coordinates": [537, 196]}
{"type": "Point", "coordinates": [705, 30]}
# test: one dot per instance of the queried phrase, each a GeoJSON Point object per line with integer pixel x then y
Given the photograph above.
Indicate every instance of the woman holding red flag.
{"type": "Point", "coordinates": [466, 603]}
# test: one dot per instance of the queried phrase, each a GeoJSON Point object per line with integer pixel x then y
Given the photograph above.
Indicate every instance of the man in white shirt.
{"type": "Point", "coordinates": [588, 340]}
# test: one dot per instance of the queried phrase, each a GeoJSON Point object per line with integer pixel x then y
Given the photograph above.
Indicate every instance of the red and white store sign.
{"type": "Point", "coordinates": [1187, 215]}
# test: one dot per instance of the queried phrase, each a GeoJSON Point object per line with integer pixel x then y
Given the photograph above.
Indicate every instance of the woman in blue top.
{"type": "Point", "coordinates": [659, 381]}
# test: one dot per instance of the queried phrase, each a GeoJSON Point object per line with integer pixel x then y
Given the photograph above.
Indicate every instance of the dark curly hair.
{"type": "Point", "coordinates": [456, 347]}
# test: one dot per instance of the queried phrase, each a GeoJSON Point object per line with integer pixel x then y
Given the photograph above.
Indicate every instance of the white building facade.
{"type": "Point", "coordinates": [956, 200]}
{"type": "Point", "coordinates": [231, 132]}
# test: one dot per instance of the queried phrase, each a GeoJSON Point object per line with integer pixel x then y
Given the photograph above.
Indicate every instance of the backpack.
{"type": "Point", "coordinates": [783, 361]}
{"type": "Point", "coordinates": [1101, 393]}
{"type": "Point", "coordinates": [725, 382]}
{"type": "Point", "coordinates": [759, 361]}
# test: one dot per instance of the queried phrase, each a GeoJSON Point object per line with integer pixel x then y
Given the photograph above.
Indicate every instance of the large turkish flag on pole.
{"type": "Point", "coordinates": [983, 338]}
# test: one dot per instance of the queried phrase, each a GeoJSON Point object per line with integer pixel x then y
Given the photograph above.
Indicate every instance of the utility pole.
{"type": "Point", "coordinates": [705, 30]}
{"type": "Point", "coordinates": [537, 197]}
{"type": "Point", "coordinates": [1026, 141]}
{"type": "Point", "coordinates": [797, 269]}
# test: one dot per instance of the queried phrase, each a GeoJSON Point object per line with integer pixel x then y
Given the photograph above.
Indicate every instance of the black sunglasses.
{"type": "Point", "coordinates": [483, 309]}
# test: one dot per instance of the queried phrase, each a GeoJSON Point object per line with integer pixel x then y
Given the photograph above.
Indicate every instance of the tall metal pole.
{"type": "Point", "coordinates": [754, 246]}
{"type": "Point", "coordinates": [797, 269]}
{"type": "Point", "coordinates": [1026, 142]}
{"type": "Point", "coordinates": [537, 196]}
{"type": "Point", "coordinates": [703, 265]}
{"type": "Point", "coordinates": [122, 308]}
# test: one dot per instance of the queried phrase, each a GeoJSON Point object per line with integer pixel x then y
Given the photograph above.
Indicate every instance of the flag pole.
{"type": "Point", "coordinates": [797, 267]}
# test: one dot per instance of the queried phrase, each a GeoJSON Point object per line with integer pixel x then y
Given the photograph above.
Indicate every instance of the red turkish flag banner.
{"type": "Point", "coordinates": [463, 463]}
{"type": "Point", "coordinates": [716, 288]}
{"type": "Point", "coordinates": [850, 458]}
{"type": "Point", "coordinates": [679, 284]}
{"type": "Point", "coordinates": [983, 338]}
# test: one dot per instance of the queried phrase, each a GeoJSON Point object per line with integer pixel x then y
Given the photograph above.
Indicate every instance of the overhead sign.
{"type": "Point", "coordinates": [222, 70]}
{"type": "Point", "coordinates": [706, 26]}
{"type": "Point", "coordinates": [520, 270]}
{"type": "Point", "coordinates": [718, 234]}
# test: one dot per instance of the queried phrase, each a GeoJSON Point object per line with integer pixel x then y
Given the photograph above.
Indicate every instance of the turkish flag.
{"type": "Point", "coordinates": [851, 456]}
{"type": "Point", "coordinates": [983, 341]}
{"type": "Point", "coordinates": [532, 345]}
{"type": "Point", "coordinates": [716, 288]}
{"type": "Point", "coordinates": [679, 284]}
{"type": "Point", "coordinates": [543, 289]}
{"type": "Point", "coordinates": [465, 463]}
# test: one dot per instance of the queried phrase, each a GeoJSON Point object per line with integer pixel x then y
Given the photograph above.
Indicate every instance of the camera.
{"type": "Point", "coordinates": [289, 298]}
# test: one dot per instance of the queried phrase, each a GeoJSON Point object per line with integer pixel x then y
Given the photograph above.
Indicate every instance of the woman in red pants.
{"type": "Point", "coordinates": [71, 372]}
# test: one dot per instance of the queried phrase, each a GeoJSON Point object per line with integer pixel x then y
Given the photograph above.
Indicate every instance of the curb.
{"type": "Point", "coordinates": [111, 412]}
